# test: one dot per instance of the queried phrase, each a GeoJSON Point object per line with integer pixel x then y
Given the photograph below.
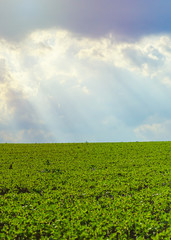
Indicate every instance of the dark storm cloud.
{"type": "Point", "coordinates": [94, 18]}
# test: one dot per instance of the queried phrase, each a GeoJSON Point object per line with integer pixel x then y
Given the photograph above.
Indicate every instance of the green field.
{"type": "Point", "coordinates": [85, 191]}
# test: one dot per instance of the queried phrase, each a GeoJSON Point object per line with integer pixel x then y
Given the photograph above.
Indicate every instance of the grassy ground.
{"type": "Point", "coordinates": [85, 191]}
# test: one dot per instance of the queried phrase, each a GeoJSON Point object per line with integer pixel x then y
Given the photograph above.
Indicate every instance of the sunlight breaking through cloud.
{"type": "Point", "coordinates": [56, 86]}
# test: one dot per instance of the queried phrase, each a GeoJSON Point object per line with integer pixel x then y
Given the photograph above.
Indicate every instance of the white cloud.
{"type": "Point", "coordinates": [147, 56]}
{"type": "Point", "coordinates": [8, 136]}
{"type": "Point", "coordinates": [30, 135]}
{"type": "Point", "coordinates": [167, 81]}
{"type": "Point", "coordinates": [154, 131]}
{"type": "Point", "coordinates": [56, 83]}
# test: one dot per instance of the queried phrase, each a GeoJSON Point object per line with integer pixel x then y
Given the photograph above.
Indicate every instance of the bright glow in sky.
{"type": "Point", "coordinates": [62, 82]}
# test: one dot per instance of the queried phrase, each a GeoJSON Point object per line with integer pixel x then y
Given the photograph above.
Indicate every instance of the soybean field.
{"type": "Point", "coordinates": [85, 191]}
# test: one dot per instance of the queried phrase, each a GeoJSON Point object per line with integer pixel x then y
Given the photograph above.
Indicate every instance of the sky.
{"type": "Point", "coordinates": [85, 71]}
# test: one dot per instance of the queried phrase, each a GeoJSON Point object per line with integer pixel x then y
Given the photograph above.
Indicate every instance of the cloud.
{"type": "Point", "coordinates": [58, 86]}
{"type": "Point", "coordinates": [18, 117]}
{"type": "Point", "coordinates": [127, 19]}
{"type": "Point", "coordinates": [19, 121]}
{"type": "Point", "coordinates": [167, 81]}
{"type": "Point", "coordinates": [159, 131]}
{"type": "Point", "coordinates": [25, 136]}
